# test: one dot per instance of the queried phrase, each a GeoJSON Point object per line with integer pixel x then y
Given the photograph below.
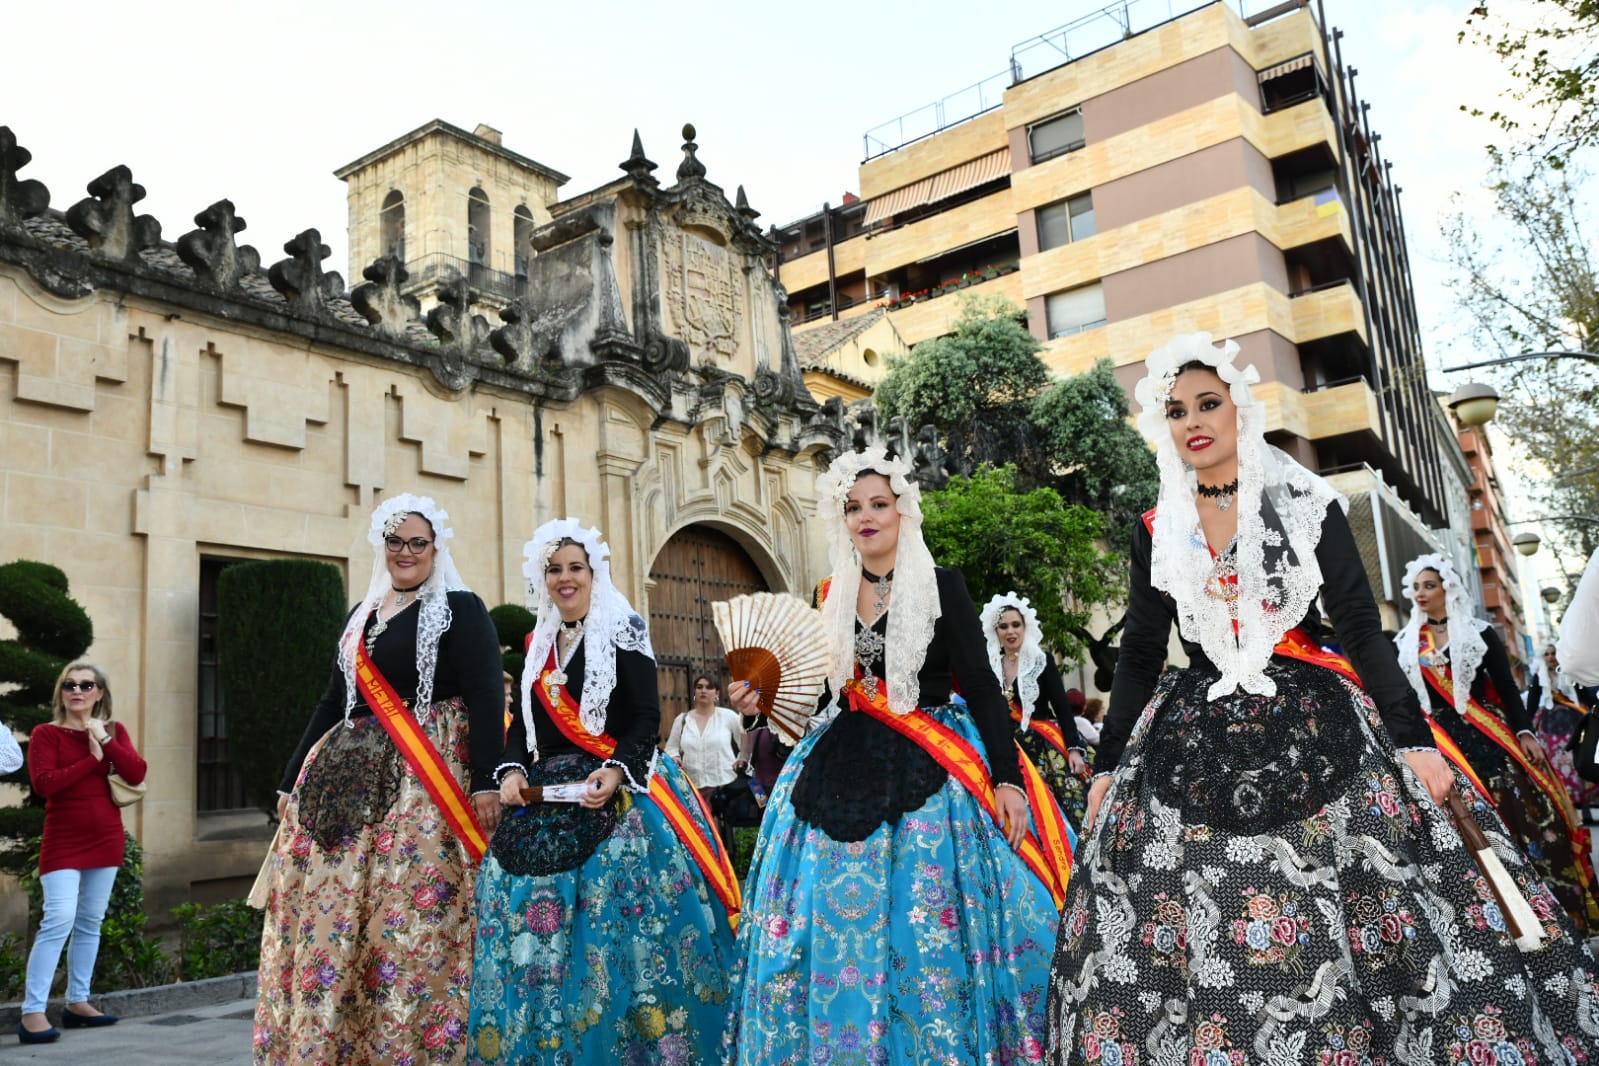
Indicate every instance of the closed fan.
{"type": "Point", "coordinates": [776, 643]}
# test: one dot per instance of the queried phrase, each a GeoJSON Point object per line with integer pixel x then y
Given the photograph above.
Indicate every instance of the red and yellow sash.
{"type": "Point", "coordinates": [1049, 730]}
{"type": "Point", "coordinates": [705, 848]}
{"type": "Point", "coordinates": [420, 754]}
{"type": "Point", "coordinates": [1047, 848]}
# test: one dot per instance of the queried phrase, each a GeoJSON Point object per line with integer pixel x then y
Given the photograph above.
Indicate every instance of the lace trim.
{"type": "Point", "coordinates": [506, 767]}
{"type": "Point", "coordinates": [1547, 688]}
{"type": "Point", "coordinates": [1466, 647]}
{"type": "Point", "coordinates": [1029, 658]}
{"type": "Point", "coordinates": [632, 784]}
{"type": "Point", "coordinates": [916, 607]}
{"type": "Point", "coordinates": [610, 626]}
{"type": "Point", "coordinates": [1019, 790]}
{"type": "Point", "coordinates": [1418, 747]}
{"type": "Point", "coordinates": [433, 605]}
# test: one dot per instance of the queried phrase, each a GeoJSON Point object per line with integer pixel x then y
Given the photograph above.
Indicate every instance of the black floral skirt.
{"type": "Point", "coordinates": [1269, 883]}
{"type": "Point", "coordinates": [1069, 790]}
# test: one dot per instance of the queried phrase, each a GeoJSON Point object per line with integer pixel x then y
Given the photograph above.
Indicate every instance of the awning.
{"type": "Point", "coordinates": [940, 186]}
{"type": "Point", "coordinates": [1296, 63]}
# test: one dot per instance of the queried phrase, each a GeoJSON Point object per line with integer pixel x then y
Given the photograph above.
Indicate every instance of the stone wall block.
{"type": "Point", "coordinates": [279, 394]}
{"type": "Point", "coordinates": [448, 432]}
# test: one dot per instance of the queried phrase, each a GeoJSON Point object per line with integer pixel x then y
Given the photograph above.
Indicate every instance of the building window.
{"type": "Point", "coordinates": [477, 227]}
{"type": "Point", "coordinates": [391, 225]}
{"type": "Point", "coordinates": [1075, 310]}
{"type": "Point", "coordinates": [1065, 222]}
{"type": "Point", "coordinates": [522, 220]}
{"type": "Point", "coordinates": [1055, 136]}
{"type": "Point", "coordinates": [217, 783]}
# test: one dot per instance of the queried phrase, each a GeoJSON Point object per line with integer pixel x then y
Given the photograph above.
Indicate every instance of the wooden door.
{"type": "Point", "coordinates": [696, 567]}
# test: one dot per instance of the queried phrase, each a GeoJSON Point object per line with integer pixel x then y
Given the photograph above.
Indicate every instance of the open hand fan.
{"type": "Point", "coordinates": [776, 643]}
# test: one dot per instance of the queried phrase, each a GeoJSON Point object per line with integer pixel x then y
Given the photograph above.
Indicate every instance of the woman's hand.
{"type": "Point", "coordinates": [603, 784]}
{"type": "Point", "coordinates": [1013, 814]}
{"type": "Point", "coordinates": [283, 806]}
{"type": "Point", "coordinates": [1096, 795]}
{"type": "Point", "coordinates": [1434, 772]}
{"type": "Point", "coordinates": [94, 747]}
{"type": "Point", "coordinates": [1076, 763]}
{"type": "Point", "coordinates": [511, 786]}
{"type": "Point", "coordinates": [746, 699]}
{"type": "Point", "coordinates": [488, 810]}
{"type": "Point", "coordinates": [740, 765]}
{"type": "Point", "coordinates": [1533, 749]}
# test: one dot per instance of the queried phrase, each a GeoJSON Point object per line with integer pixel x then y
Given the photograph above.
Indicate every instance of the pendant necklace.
{"type": "Point", "coordinates": [570, 634]}
{"type": "Point", "coordinates": [884, 586]}
{"type": "Point", "coordinates": [1222, 494]}
{"type": "Point", "coordinates": [382, 624]}
{"type": "Point", "coordinates": [869, 643]}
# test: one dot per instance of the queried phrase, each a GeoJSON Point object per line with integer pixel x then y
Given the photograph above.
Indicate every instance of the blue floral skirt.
{"type": "Point", "coordinates": [623, 959]}
{"type": "Point", "coordinates": [927, 942]}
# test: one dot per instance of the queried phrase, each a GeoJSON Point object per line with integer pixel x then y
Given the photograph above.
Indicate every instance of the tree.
{"type": "Point", "coordinates": [1539, 291]}
{"type": "Point", "coordinates": [1555, 62]}
{"type": "Point", "coordinates": [977, 385]}
{"type": "Point", "coordinates": [278, 624]}
{"type": "Point", "coordinates": [52, 630]}
{"type": "Point", "coordinates": [1098, 459]}
{"type": "Point", "coordinates": [1033, 542]}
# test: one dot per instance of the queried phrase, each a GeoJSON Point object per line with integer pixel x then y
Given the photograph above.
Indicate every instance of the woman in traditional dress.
{"type": "Point", "coordinates": [1046, 722]}
{"type": "Point", "coordinates": [366, 952]}
{"type": "Point", "coordinates": [1458, 667]}
{"type": "Point", "coordinates": [891, 919]}
{"type": "Point", "coordinates": [1558, 709]}
{"type": "Point", "coordinates": [603, 924]}
{"type": "Point", "coordinates": [1267, 876]}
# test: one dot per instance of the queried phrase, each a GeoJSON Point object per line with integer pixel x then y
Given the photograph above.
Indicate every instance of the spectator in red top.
{"type": "Point", "coordinates": [69, 760]}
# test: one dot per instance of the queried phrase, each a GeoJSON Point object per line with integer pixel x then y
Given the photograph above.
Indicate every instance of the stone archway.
{"type": "Point", "coordinates": [697, 566]}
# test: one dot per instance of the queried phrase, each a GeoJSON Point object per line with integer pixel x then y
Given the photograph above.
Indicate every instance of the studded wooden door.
{"type": "Point", "coordinates": [697, 566]}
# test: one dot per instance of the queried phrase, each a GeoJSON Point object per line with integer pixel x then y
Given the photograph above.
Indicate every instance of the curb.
{"type": "Point", "coordinates": [161, 999]}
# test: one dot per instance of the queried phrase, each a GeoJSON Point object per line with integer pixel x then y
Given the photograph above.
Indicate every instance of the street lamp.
{"type": "Point", "coordinates": [1550, 594]}
{"type": "Point", "coordinates": [1474, 403]}
{"type": "Point", "coordinates": [1526, 543]}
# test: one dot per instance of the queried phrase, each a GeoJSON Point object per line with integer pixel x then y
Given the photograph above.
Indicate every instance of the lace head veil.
{"type": "Point", "coordinates": [433, 605]}
{"type": "Point", "coordinates": [1548, 686]}
{"type": "Point", "coordinates": [1466, 645]}
{"type": "Point", "coordinates": [915, 606]}
{"type": "Point", "coordinates": [611, 624]}
{"type": "Point", "coordinates": [1281, 506]}
{"type": "Point", "coordinates": [1029, 657]}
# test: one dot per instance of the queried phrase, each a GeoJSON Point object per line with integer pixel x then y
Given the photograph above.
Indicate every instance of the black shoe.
{"type": "Point", "coordinates": [69, 1020]}
{"type": "Point", "coordinates": [45, 1036]}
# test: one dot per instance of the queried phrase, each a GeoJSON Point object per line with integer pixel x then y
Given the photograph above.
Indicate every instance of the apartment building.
{"type": "Point", "coordinates": [1124, 180]}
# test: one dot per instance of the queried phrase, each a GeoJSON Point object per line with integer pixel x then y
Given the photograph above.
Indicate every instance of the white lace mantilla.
{"type": "Point", "coordinates": [433, 605]}
{"type": "Point", "coordinates": [1029, 657]}
{"type": "Point", "coordinates": [1281, 507]}
{"type": "Point", "coordinates": [915, 607]}
{"type": "Point", "coordinates": [611, 625]}
{"type": "Point", "coordinates": [1465, 648]}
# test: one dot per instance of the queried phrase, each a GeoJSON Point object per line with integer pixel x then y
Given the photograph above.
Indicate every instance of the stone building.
{"type": "Point", "coordinates": [169, 407]}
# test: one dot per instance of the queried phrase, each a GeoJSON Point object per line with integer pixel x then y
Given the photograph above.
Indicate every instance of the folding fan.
{"type": "Point", "coordinates": [776, 643]}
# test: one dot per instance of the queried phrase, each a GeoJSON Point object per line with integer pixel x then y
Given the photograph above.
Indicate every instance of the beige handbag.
{"type": "Point", "coordinates": [122, 793]}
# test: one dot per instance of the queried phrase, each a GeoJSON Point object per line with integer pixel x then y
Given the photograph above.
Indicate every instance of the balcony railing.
{"type": "Point", "coordinates": [437, 268]}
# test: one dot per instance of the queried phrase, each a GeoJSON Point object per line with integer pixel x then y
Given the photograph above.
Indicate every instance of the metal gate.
{"type": "Point", "coordinates": [696, 567]}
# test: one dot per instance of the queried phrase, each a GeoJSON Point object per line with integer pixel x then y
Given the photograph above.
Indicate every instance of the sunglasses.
{"type": "Point", "coordinates": [79, 686]}
{"type": "Point", "coordinates": [417, 545]}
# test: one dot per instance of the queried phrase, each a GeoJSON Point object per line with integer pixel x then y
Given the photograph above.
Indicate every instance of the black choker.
{"type": "Point", "coordinates": [1440, 622]}
{"type": "Point", "coordinates": [413, 588]}
{"type": "Point", "coordinates": [1216, 492]}
{"type": "Point", "coordinates": [869, 576]}
{"type": "Point", "coordinates": [576, 623]}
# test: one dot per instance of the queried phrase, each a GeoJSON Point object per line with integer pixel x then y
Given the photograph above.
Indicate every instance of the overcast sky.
{"type": "Point", "coordinates": [261, 102]}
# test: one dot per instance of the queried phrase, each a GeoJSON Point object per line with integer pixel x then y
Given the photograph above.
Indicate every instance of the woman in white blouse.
{"type": "Point", "coordinates": [706, 741]}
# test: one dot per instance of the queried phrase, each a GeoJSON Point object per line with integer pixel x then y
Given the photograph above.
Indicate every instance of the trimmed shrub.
{"type": "Point", "coordinates": [513, 623]}
{"type": "Point", "coordinates": [218, 940]}
{"type": "Point", "coordinates": [278, 622]}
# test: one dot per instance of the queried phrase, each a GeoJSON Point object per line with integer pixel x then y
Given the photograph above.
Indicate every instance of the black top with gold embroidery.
{"type": "Point", "coordinates": [468, 666]}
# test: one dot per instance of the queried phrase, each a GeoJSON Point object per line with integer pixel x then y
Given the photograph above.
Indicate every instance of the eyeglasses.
{"type": "Point", "coordinates": [417, 545]}
{"type": "Point", "coordinates": [79, 686]}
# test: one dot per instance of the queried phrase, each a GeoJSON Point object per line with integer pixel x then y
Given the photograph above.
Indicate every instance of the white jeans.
{"type": "Point", "coordinates": [74, 902]}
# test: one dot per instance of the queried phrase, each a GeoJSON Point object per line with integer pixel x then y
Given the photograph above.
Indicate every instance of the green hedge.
{"type": "Point", "coordinates": [278, 624]}
{"type": "Point", "coordinates": [513, 623]}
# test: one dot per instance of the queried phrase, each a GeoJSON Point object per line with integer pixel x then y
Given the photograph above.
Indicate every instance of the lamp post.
{"type": "Point", "coordinates": [1474, 404]}
{"type": "Point", "coordinates": [1526, 543]}
{"type": "Point", "coordinates": [1550, 594]}
{"type": "Point", "coordinates": [1585, 357]}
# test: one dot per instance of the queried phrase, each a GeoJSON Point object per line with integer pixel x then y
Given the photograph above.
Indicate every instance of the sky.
{"type": "Point", "coordinates": [259, 103]}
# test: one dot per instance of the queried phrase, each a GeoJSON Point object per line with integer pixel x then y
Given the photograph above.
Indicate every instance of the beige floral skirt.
{"type": "Point", "coordinates": [366, 954]}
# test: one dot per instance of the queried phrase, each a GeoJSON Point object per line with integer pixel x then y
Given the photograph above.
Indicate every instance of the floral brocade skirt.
{"type": "Point", "coordinates": [1269, 883]}
{"type": "Point", "coordinates": [623, 959]}
{"type": "Point", "coordinates": [366, 954]}
{"type": "Point", "coordinates": [1555, 727]}
{"type": "Point", "coordinates": [926, 942]}
{"type": "Point", "coordinates": [1534, 822]}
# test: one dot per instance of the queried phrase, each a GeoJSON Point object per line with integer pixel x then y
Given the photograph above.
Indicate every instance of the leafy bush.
{"type": "Point", "coordinates": [513, 623]}
{"type": "Point", "coordinates": [278, 623]}
{"type": "Point", "coordinates": [219, 940]}
{"type": "Point", "coordinates": [13, 967]}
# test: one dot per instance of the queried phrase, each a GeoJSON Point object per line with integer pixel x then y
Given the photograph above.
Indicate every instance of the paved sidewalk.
{"type": "Point", "coordinates": [205, 1036]}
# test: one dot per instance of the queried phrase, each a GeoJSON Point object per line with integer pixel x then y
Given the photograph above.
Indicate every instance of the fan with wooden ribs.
{"type": "Point", "coordinates": [777, 643]}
